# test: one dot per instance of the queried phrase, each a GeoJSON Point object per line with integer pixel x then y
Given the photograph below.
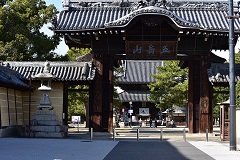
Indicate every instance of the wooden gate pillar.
{"type": "Point", "coordinates": [199, 96]}
{"type": "Point", "coordinates": [101, 95]}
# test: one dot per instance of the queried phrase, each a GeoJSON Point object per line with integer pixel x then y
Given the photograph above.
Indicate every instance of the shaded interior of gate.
{"type": "Point", "coordinates": [148, 32]}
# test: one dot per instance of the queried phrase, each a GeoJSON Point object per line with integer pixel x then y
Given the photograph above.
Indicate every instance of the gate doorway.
{"type": "Point", "coordinates": [138, 31]}
{"type": "Point", "coordinates": [78, 109]}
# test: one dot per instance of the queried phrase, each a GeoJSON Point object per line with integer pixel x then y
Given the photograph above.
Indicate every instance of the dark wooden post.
{"type": "Point", "coordinates": [199, 96]}
{"type": "Point", "coordinates": [95, 103]}
{"type": "Point", "coordinates": [205, 98]}
{"type": "Point", "coordinates": [102, 90]}
{"type": "Point", "coordinates": [191, 127]}
{"type": "Point", "coordinates": [65, 103]}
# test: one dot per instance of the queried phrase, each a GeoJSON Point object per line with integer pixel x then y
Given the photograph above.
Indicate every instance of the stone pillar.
{"type": "Point", "coordinates": [101, 104]}
{"type": "Point", "coordinates": [199, 96]}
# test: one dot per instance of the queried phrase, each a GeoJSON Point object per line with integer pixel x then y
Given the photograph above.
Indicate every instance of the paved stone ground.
{"type": "Point", "coordinates": [126, 147]}
{"type": "Point", "coordinates": [217, 150]}
{"type": "Point", "coordinates": [76, 149]}
{"type": "Point", "coordinates": [53, 149]}
{"type": "Point", "coordinates": [147, 150]}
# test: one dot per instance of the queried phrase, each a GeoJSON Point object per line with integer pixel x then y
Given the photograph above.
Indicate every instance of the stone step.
{"type": "Point", "coordinates": [45, 112]}
{"type": "Point", "coordinates": [45, 117]}
{"type": "Point", "coordinates": [48, 134]}
{"type": "Point", "coordinates": [47, 128]}
{"type": "Point", "coordinates": [45, 123]}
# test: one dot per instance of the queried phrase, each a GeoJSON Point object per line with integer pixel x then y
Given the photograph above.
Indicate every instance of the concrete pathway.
{"type": "Point", "coordinates": [80, 149]}
{"type": "Point", "coordinates": [217, 150]}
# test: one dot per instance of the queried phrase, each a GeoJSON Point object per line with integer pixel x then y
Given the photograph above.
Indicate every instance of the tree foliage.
{"type": "Point", "coordinates": [73, 53]}
{"type": "Point", "coordinates": [21, 38]}
{"type": "Point", "coordinates": [238, 94]}
{"type": "Point", "coordinates": [237, 61]}
{"type": "Point", "coordinates": [170, 87]}
{"type": "Point", "coordinates": [77, 102]}
{"type": "Point", "coordinates": [118, 72]}
{"type": "Point", "coordinates": [218, 98]}
{"type": "Point", "coordinates": [237, 58]}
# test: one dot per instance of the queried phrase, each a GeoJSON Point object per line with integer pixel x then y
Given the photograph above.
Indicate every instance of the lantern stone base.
{"type": "Point", "coordinates": [46, 124]}
{"type": "Point", "coordinates": [40, 107]}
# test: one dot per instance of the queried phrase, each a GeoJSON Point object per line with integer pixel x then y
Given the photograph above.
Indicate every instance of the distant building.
{"type": "Point", "coordinates": [134, 80]}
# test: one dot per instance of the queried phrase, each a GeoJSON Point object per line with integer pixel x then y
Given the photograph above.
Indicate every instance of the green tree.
{"type": "Point", "coordinates": [220, 94]}
{"type": "Point", "coordinates": [77, 102]}
{"type": "Point", "coordinates": [117, 104]}
{"type": "Point", "coordinates": [224, 96]}
{"type": "Point", "coordinates": [237, 61]}
{"type": "Point", "coordinates": [237, 57]}
{"type": "Point", "coordinates": [73, 53]}
{"type": "Point", "coordinates": [21, 38]}
{"type": "Point", "coordinates": [170, 87]}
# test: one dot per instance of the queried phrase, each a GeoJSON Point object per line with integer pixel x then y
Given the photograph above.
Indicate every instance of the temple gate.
{"type": "Point", "coordinates": [163, 30]}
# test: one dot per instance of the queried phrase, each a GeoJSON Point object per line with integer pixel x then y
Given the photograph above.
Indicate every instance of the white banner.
{"type": "Point", "coordinates": [143, 111]}
{"type": "Point", "coordinates": [76, 119]}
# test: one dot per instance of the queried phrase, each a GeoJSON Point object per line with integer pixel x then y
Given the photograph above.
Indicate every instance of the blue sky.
{"type": "Point", "coordinates": [57, 3]}
{"type": "Point", "coordinates": [62, 48]}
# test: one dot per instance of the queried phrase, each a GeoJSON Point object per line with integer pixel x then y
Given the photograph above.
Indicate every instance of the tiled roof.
{"type": "Point", "coordinates": [219, 73]}
{"type": "Point", "coordinates": [10, 79]}
{"type": "Point", "coordinates": [134, 96]}
{"type": "Point", "coordinates": [137, 71]}
{"type": "Point", "coordinates": [203, 15]}
{"type": "Point", "coordinates": [64, 71]}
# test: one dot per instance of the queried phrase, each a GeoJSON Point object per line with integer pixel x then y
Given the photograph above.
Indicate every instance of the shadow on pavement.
{"type": "Point", "coordinates": [151, 150]}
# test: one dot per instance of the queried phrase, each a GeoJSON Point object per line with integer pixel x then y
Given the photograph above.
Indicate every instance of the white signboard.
{"type": "Point", "coordinates": [143, 111]}
{"type": "Point", "coordinates": [130, 111]}
{"type": "Point", "coordinates": [76, 119]}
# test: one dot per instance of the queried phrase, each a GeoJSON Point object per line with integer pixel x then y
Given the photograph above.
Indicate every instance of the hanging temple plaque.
{"type": "Point", "coordinates": [151, 49]}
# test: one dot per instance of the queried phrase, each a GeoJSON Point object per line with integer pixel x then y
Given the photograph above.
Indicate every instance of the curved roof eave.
{"type": "Point", "coordinates": [93, 19]}
{"type": "Point", "coordinates": [79, 30]}
{"type": "Point", "coordinates": [152, 10]}
{"type": "Point", "coordinates": [226, 31]}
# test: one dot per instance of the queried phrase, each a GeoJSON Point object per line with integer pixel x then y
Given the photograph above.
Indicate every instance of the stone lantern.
{"type": "Point", "coordinates": [45, 77]}
{"type": "Point", "coordinates": [45, 123]}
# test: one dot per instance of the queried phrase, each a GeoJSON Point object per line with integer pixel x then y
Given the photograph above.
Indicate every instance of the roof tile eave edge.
{"type": "Point", "coordinates": [125, 20]}
{"type": "Point", "coordinates": [127, 100]}
{"type": "Point", "coordinates": [66, 31]}
{"type": "Point", "coordinates": [143, 83]}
